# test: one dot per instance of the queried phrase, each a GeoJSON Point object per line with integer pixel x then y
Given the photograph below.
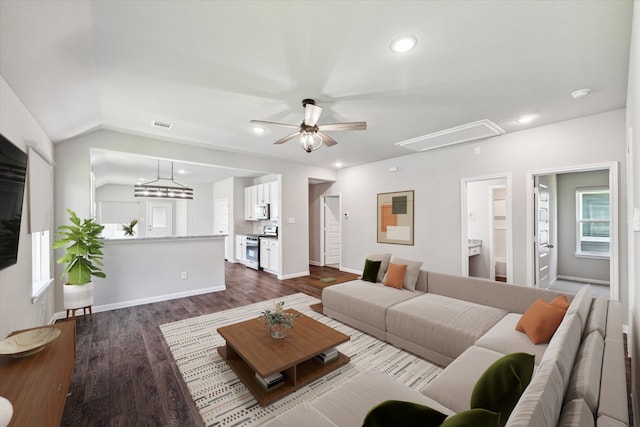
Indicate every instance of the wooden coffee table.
{"type": "Point", "coordinates": [250, 349]}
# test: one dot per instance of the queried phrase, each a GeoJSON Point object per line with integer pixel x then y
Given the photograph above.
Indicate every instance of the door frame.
{"type": "Point", "coordinates": [149, 207]}
{"type": "Point", "coordinates": [614, 267]}
{"type": "Point", "coordinates": [323, 230]}
{"type": "Point", "coordinates": [464, 244]}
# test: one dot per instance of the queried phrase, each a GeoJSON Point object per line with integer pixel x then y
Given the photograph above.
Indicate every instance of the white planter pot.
{"type": "Point", "coordinates": [78, 296]}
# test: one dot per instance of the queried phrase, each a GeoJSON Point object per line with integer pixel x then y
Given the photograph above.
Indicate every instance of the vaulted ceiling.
{"type": "Point", "coordinates": [209, 67]}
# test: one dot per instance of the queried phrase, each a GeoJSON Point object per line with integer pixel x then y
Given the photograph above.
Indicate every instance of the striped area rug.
{"type": "Point", "coordinates": [223, 400]}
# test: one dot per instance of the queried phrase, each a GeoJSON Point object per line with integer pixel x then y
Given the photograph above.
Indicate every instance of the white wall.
{"type": "Point", "coordinates": [633, 129]}
{"type": "Point", "coordinates": [16, 309]}
{"type": "Point", "coordinates": [72, 183]}
{"type": "Point", "coordinates": [200, 211]}
{"type": "Point", "coordinates": [435, 177]}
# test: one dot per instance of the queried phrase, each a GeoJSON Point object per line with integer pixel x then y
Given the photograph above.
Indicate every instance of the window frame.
{"type": "Point", "coordinates": [40, 263]}
{"type": "Point", "coordinates": [580, 192]}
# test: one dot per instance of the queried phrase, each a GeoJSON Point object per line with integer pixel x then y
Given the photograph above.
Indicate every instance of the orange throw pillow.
{"type": "Point", "coordinates": [540, 321]}
{"type": "Point", "coordinates": [395, 275]}
{"type": "Point", "coordinates": [560, 301]}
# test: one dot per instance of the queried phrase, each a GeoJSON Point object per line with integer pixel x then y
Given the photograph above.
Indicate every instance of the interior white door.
{"type": "Point", "coordinates": [159, 215]}
{"type": "Point", "coordinates": [543, 243]}
{"type": "Point", "coordinates": [332, 232]}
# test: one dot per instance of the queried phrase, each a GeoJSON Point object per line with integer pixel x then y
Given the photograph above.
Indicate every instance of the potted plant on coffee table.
{"type": "Point", "coordinates": [83, 259]}
{"type": "Point", "coordinates": [278, 320]}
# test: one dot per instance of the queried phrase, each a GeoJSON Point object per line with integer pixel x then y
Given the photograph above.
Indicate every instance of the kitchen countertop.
{"type": "Point", "coordinates": [472, 243]}
{"type": "Point", "coordinates": [165, 239]}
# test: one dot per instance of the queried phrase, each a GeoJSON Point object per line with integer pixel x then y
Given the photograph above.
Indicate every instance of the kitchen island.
{"type": "Point", "coordinates": [145, 270]}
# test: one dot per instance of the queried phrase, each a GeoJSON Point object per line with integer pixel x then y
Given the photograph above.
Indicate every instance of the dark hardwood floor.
{"type": "Point", "coordinates": [124, 373]}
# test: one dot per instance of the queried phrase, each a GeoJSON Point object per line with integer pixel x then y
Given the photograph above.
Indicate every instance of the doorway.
{"type": "Point", "coordinates": [160, 219]}
{"type": "Point", "coordinates": [332, 232]}
{"type": "Point", "coordinates": [572, 223]}
{"type": "Point", "coordinates": [486, 230]}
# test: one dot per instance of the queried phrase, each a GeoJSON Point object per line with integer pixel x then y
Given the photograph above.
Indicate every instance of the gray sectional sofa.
{"type": "Point", "coordinates": [466, 324]}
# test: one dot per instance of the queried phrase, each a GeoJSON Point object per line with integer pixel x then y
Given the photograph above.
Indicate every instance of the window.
{"type": "Point", "coordinates": [41, 265]}
{"type": "Point", "coordinates": [593, 222]}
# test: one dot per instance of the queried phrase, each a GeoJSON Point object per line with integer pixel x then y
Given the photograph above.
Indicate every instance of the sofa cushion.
{"type": "Point", "coordinates": [348, 404]}
{"type": "Point", "coordinates": [563, 347]}
{"type": "Point", "coordinates": [473, 418]}
{"type": "Point", "coordinates": [540, 404]}
{"type": "Point", "coordinates": [453, 386]}
{"type": "Point", "coordinates": [612, 402]}
{"type": "Point", "coordinates": [540, 321]}
{"type": "Point", "coordinates": [581, 304]}
{"type": "Point", "coordinates": [576, 413]}
{"type": "Point", "coordinates": [504, 338]}
{"type": "Point", "coordinates": [395, 275]}
{"type": "Point", "coordinates": [446, 325]}
{"type": "Point", "coordinates": [384, 264]}
{"type": "Point", "coordinates": [585, 376]}
{"type": "Point", "coordinates": [597, 319]}
{"type": "Point", "coordinates": [364, 301]}
{"type": "Point", "coordinates": [370, 272]}
{"type": "Point", "coordinates": [303, 414]}
{"type": "Point", "coordinates": [502, 384]}
{"type": "Point", "coordinates": [604, 421]}
{"type": "Point", "coordinates": [413, 270]}
{"type": "Point", "coordinates": [561, 302]}
{"type": "Point", "coordinates": [401, 413]}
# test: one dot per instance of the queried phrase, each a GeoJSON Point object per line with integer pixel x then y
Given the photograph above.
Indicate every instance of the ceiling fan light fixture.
{"type": "Point", "coordinates": [310, 141]}
{"type": "Point", "coordinates": [403, 44]}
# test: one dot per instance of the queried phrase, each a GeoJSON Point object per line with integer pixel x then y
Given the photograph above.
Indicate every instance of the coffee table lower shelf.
{"type": "Point", "coordinates": [296, 376]}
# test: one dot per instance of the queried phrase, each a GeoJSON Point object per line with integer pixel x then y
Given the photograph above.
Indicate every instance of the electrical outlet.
{"type": "Point", "coordinates": [184, 275]}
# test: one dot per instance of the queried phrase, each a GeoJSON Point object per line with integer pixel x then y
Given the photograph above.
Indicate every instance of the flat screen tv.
{"type": "Point", "coordinates": [13, 173]}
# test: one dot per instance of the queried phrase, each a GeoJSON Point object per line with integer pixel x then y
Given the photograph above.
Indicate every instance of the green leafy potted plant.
{"type": "Point", "coordinates": [83, 257]}
{"type": "Point", "coordinates": [129, 229]}
{"type": "Point", "coordinates": [278, 320]}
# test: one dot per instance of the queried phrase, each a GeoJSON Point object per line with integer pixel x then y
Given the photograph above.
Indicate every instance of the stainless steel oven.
{"type": "Point", "coordinates": [252, 252]}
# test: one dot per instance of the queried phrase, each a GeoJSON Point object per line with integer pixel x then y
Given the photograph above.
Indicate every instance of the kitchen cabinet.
{"type": "Point", "coordinates": [274, 200]}
{"type": "Point", "coordinates": [250, 202]}
{"type": "Point", "coordinates": [262, 194]}
{"type": "Point", "coordinates": [241, 245]}
{"type": "Point", "coordinates": [270, 255]}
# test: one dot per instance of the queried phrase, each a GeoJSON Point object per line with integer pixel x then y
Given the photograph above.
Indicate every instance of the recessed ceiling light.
{"type": "Point", "coordinates": [338, 165]}
{"type": "Point", "coordinates": [258, 130]}
{"type": "Point", "coordinates": [403, 44]}
{"type": "Point", "coordinates": [580, 93]}
{"type": "Point", "coordinates": [181, 171]}
{"type": "Point", "coordinates": [526, 119]}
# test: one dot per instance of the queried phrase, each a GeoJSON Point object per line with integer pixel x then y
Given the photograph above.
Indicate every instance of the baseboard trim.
{"type": "Point", "coordinates": [142, 301]}
{"type": "Point", "coordinates": [351, 270]}
{"type": "Point", "coordinates": [315, 263]}
{"type": "Point", "coordinates": [583, 280]}
{"type": "Point", "coordinates": [294, 275]}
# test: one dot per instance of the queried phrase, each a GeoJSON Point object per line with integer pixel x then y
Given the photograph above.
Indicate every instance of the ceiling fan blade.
{"type": "Point", "coordinates": [311, 114]}
{"type": "Point", "coordinates": [262, 122]}
{"type": "Point", "coordinates": [344, 126]}
{"type": "Point", "coordinates": [327, 140]}
{"type": "Point", "coordinates": [287, 138]}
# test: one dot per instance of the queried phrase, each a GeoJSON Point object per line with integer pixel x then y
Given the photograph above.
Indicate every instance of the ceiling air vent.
{"type": "Point", "coordinates": [456, 135]}
{"type": "Point", "coordinates": [162, 125]}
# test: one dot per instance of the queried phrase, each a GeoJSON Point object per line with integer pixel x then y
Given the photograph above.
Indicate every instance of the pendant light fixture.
{"type": "Point", "coordinates": [153, 189]}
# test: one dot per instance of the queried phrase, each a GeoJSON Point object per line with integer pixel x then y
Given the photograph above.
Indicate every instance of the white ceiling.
{"type": "Point", "coordinates": [209, 67]}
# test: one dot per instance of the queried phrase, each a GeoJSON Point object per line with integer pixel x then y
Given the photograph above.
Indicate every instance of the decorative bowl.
{"type": "Point", "coordinates": [29, 342]}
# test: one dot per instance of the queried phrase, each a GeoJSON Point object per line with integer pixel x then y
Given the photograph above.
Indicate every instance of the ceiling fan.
{"type": "Point", "coordinates": [311, 137]}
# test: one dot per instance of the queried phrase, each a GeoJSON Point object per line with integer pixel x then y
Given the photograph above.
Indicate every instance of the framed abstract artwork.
{"type": "Point", "coordinates": [395, 217]}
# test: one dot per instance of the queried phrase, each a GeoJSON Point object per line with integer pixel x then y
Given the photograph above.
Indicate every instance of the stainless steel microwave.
{"type": "Point", "coordinates": [262, 211]}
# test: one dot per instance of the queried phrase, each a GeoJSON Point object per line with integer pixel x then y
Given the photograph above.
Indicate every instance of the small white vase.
{"type": "Point", "coordinates": [6, 412]}
{"type": "Point", "coordinates": [78, 296]}
{"type": "Point", "coordinates": [278, 331]}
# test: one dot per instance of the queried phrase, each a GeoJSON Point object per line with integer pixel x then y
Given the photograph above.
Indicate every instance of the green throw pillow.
{"type": "Point", "coordinates": [473, 418]}
{"type": "Point", "coordinates": [502, 384]}
{"type": "Point", "coordinates": [391, 413]}
{"type": "Point", "coordinates": [370, 273]}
